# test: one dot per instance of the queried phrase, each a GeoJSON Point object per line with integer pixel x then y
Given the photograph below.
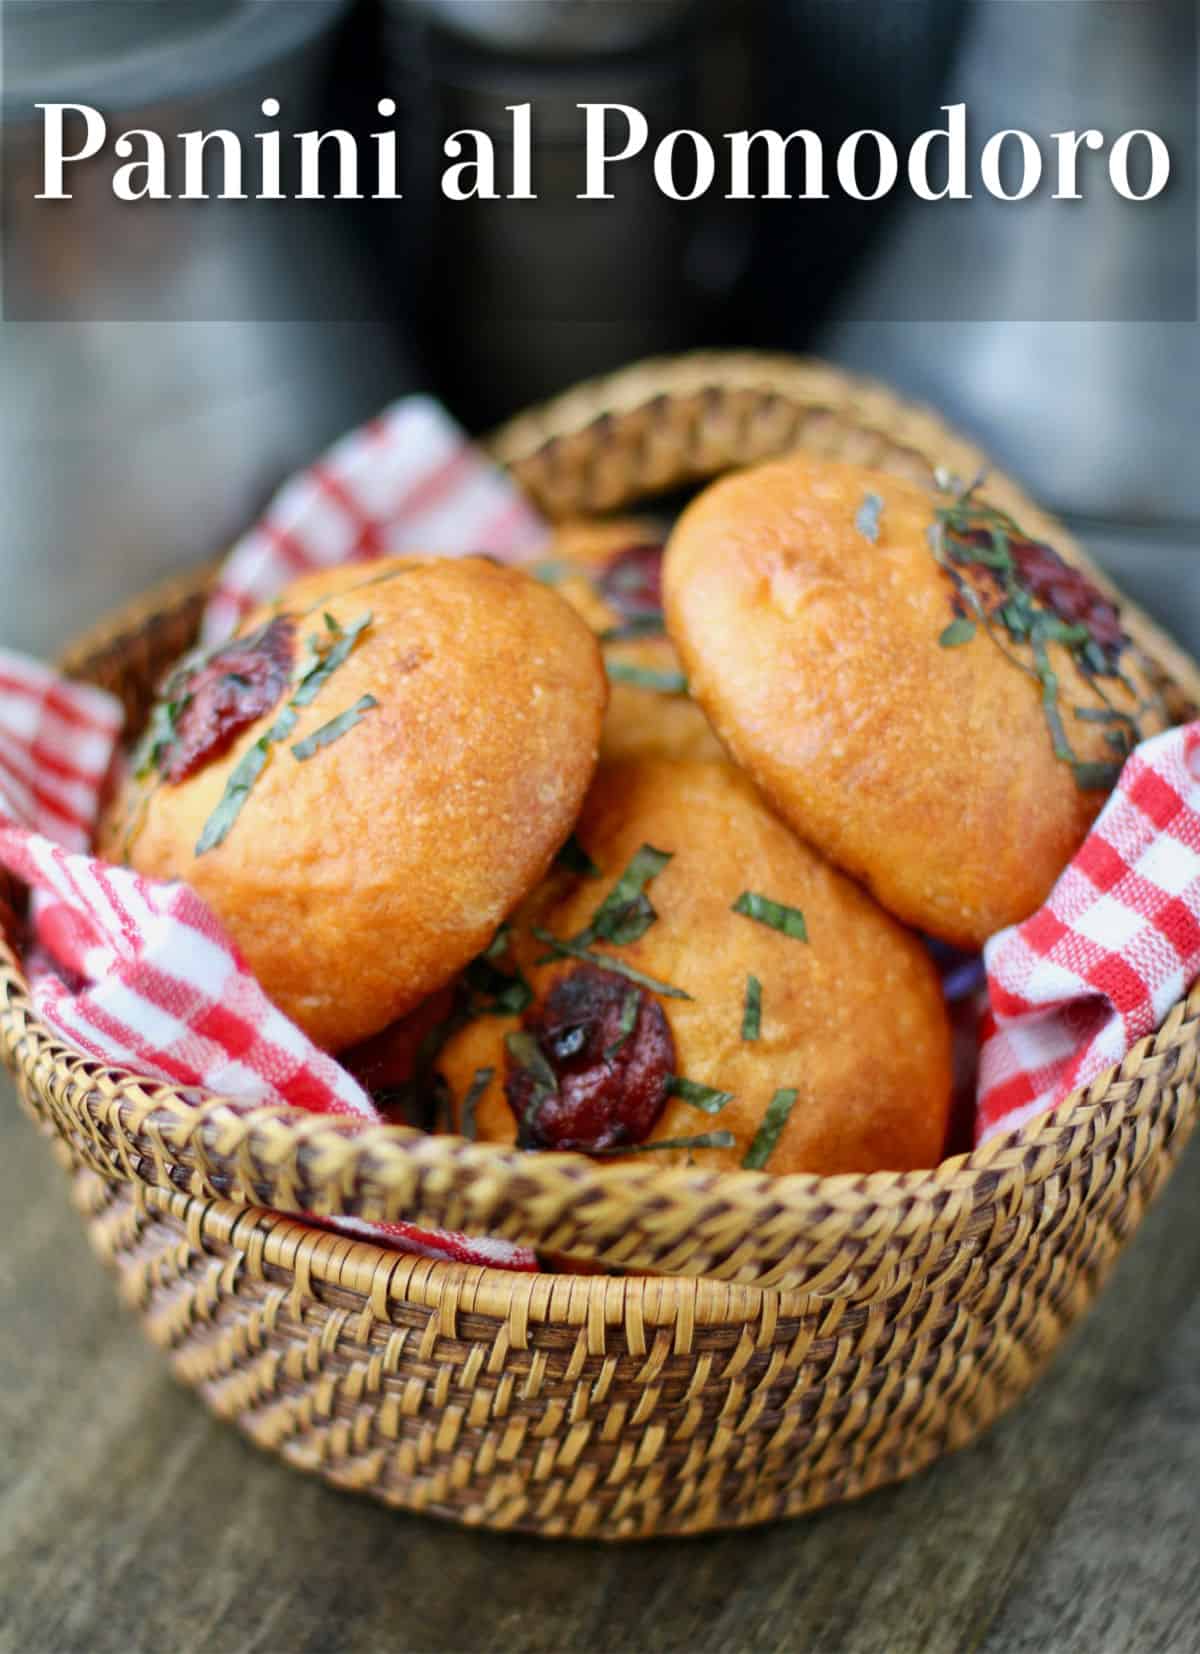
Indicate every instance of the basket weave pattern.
{"type": "Point", "coordinates": [819, 1337]}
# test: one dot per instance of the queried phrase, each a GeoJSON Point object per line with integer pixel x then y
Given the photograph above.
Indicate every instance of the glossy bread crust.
{"type": "Point", "coordinates": [927, 772]}
{"type": "Point", "coordinates": [641, 722]}
{"type": "Point", "coordinates": [364, 878]}
{"type": "Point", "coordinates": [853, 1018]}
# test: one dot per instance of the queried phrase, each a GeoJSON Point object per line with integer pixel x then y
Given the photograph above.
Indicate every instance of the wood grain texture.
{"type": "Point", "coordinates": [130, 1521]}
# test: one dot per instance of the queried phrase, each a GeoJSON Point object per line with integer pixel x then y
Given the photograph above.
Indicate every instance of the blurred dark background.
{"type": "Point", "coordinates": [163, 366]}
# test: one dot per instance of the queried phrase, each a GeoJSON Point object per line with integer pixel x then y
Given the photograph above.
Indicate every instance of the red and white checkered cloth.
{"type": "Point", "coordinates": [407, 481]}
{"type": "Point", "coordinates": [141, 975]}
{"type": "Point", "coordinates": [1096, 969]}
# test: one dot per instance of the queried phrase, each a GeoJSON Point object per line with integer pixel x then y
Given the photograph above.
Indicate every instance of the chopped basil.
{"type": "Point", "coordinates": [789, 920]}
{"type": "Point", "coordinates": [630, 1006]}
{"type": "Point", "coordinates": [330, 732]}
{"type": "Point", "coordinates": [752, 1010]}
{"type": "Point", "coordinates": [644, 677]}
{"type": "Point", "coordinates": [315, 671]}
{"type": "Point", "coordinates": [1097, 776]}
{"type": "Point", "coordinates": [646, 625]}
{"type": "Point", "coordinates": [706, 1140]}
{"type": "Point", "coordinates": [969, 532]}
{"type": "Point", "coordinates": [483, 1078]}
{"type": "Point", "coordinates": [550, 572]}
{"type": "Point", "coordinates": [626, 913]}
{"type": "Point", "coordinates": [958, 632]}
{"type": "Point", "coordinates": [320, 667]}
{"type": "Point", "coordinates": [158, 736]}
{"type": "Point", "coordinates": [499, 943]}
{"type": "Point", "coordinates": [242, 778]}
{"type": "Point", "coordinates": [575, 859]}
{"type": "Point", "coordinates": [490, 990]}
{"type": "Point", "coordinates": [768, 1134]}
{"type": "Point", "coordinates": [867, 519]}
{"type": "Point", "coordinates": [1101, 715]}
{"type": "Point", "coordinates": [510, 1000]}
{"type": "Point", "coordinates": [608, 962]}
{"type": "Point", "coordinates": [527, 1054]}
{"type": "Point", "coordinates": [705, 1097]}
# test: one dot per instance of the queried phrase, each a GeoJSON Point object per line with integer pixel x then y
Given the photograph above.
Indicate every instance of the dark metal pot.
{"type": "Point", "coordinates": [165, 364]}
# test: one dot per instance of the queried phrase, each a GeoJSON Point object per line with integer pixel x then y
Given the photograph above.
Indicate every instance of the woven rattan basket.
{"type": "Point", "coordinates": [815, 1339]}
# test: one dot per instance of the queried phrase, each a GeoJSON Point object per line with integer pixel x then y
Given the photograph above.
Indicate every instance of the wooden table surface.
{"type": "Point", "coordinates": [131, 1521]}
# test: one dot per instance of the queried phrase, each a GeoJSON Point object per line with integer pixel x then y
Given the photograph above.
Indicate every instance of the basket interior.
{"type": "Point", "coordinates": [607, 447]}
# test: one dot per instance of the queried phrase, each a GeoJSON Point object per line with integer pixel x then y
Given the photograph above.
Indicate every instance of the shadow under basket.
{"type": "Point", "coordinates": [796, 1341]}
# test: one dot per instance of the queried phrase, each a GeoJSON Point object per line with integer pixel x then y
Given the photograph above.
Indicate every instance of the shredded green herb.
{"type": "Point", "coordinates": [769, 1133]}
{"type": "Point", "coordinates": [525, 1051]}
{"type": "Point", "coordinates": [626, 912]}
{"type": "Point", "coordinates": [575, 859]}
{"type": "Point", "coordinates": [867, 519]}
{"type": "Point", "coordinates": [1101, 715]}
{"type": "Point", "coordinates": [788, 920]}
{"type": "Point", "coordinates": [315, 671]}
{"type": "Point", "coordinates": [550, 572]}
{"type": "Point", "coordinates": [336, 727]}
{"type": "Point", "coordinates": [706, 1140]}
{"type": "Point", "coordinates": [705, 1097]}
{"type": "Point", "coordinates": [499, 944]}
{"type": "Point", "coordinates": [607, 962]}
{"type": "Point", "coordinates": [630, 1006]}
{"type": "Point", "coordinates": [241, 779]}
{"type": "Point", "coordinates": [752, 1010]}
{"type": "Point", "coordinates": [644, 677]}
{"type": "Point", "coordinates": [527, 1055]}
{"type": "Point", "coordinates": [483, 1078]}
{"type": "Point", "coordinates": [958, 632]}
{"type": "Point", "coordinates": [650, 624]}
{"type": "Point", "coordinates": [158, 737]}
{"type": "Point", "coordinates": [491, 991]}
{"type": "Point", "coordinates": [320, 665]}
{"type": "Point", "coordinates": [969, 534]}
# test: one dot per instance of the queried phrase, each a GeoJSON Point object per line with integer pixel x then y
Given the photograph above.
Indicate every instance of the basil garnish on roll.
{"type": "Point", "coordinates": [704, 1097]}
{"type": "Point", "coordinates": [322, 660]}
{"type": "Point", "coordinates": [769, 1133]}
{"type": "Point", "coordinates": [752, 1009]}
{"type": "Point", "coordinates": [607, 962]}
{"type": "Point", "coordinates": [334, 729]}
{"type": "Point", "coordinates": [644, 677]}
{"type": "Point", "coordinates": [706, 1140]}
{"type": "Point", "coordinates": [1026, 597]}
{"type": "Point", "coordinates": [626, 912]}
{"type": "Point", "coordinates": [787, 920]}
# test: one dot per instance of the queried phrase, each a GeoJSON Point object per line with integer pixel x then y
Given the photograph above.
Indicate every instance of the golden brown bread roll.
{"type": "Point", "coordinates": [444, 720]}
{"type": "Point", "coordinates": [845, 1065]}
{"type": "Point", "coordinates": [610, 572]}
{"type": "Point", "coordinates": [899, 700]}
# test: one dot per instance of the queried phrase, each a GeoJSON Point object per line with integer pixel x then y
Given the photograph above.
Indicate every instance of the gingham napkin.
{"type": "Point", "coordinates": [407, 481]}
{"type": "Point", "coordinates": [1096, 969]}
{"type": "Point", "coordinates": [141, 975]}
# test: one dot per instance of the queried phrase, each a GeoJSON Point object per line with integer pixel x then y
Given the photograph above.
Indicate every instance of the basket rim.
{"type": "Point", "coordinates": [145, 1131]}
{"type": "Point", "coordinates": [381, 1274]}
